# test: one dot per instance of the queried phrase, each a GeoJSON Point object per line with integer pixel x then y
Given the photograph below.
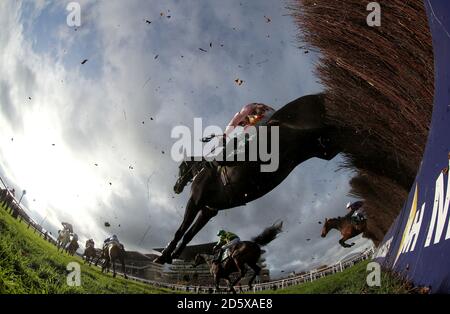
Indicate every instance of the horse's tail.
{"type": "Point", "coordinates": [269, 234]}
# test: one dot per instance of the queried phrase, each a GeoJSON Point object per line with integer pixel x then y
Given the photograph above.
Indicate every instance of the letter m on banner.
{"type": "Point", "coordinates": [440, 212]}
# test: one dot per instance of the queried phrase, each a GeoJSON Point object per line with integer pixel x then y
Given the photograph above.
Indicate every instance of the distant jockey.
{"type": "Point", "coordinates": [112, 239]}
{"type": "Point", "coordinates": [356, 212]}
{"type": "Point", "coordinates": [227, 240]}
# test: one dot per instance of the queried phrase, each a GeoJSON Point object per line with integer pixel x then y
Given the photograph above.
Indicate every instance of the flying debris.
{"type": "Point", "coordinates": [84, 61]}
{"type": "Point", "coordinates": [107, 224]}
{"type": "Point", "coordinates": [268, 19]}
{"type": "Point", "coordinates": [201, 49]}
{"type": "Point", "coordinates": [308, 239]}
{"type": "Point", "coordinates": [319, 222]}
{"type": "Point", "coordinates": [148, 22]}
{"type": "Point", "coordinates": [96, 164]}
{"type": "Point", "coordinates": [210, 45]}
{"type": "Point", "coordinates": [239, 82]}
{"type": "Point", "coordinates": [29, 98]}
{"type": "Point", "coordinates": [156, 57]}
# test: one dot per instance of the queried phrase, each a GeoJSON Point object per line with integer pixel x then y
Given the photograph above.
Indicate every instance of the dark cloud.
{"type": "Point", "coordinates": [100, 108]}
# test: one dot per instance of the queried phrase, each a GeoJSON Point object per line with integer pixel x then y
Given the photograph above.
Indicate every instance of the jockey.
{"type": "Point", "coordinates": [356, 212]}
{"type": "Point", "coordinates": [251, 115]}
{"type": "Point", "coordinates": [90, 242]}
{"type": "Point", "coordinates": [227, 240]}
{"type": "Point", "coordinates": [74, 237]}
{"type": "Point", "coordinates": [112, 239]}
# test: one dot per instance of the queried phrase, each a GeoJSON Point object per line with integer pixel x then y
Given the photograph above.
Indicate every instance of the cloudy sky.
{"type": "Point", "coordinates": [91, 142]}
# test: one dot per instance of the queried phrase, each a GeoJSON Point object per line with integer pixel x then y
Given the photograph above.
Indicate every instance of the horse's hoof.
{"type": "Point", "coordinates": [159, 260]}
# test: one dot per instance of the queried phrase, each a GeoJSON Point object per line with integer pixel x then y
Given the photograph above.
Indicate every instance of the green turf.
{"type": "Point", "coordinates": [350, 281]}
{"type": "Point", "coordinates": [29, 264]}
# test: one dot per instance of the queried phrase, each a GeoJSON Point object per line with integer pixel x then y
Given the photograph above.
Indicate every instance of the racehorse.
{"type": "Point", "coordinates": [244, 253]}
{"type": "Point", "coordinates": [73, 246]}
{"type": "Point", "coordinates": [346, 227]}
{"type": "Point", "coordinates": [89, 252]}
{"type": "Point", "coordinates": [63, 239]}
{"type": "Point", "coordinates": [303, 134]}
{"type": "Point", "coordinates": [112, 252]}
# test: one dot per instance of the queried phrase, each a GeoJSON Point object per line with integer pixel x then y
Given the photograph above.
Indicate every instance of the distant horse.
{"type": "Point", "coordinates": [72, 247]}
{"type": "Point", "coordinates": [89, 252]}
{"type": "Point", "coordinates": [346, 227]}
{"type": "Point", "coordinates": [245, 253]}
{"type": "Point", "coordinates": [112, 252]}
{"type": "Point", "coordinates": [303, 134]}
{"type": "Point", "coordinates": [63, 239]}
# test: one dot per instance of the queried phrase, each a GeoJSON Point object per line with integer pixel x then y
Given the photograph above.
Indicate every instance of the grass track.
{"type": "Point", "coordinates": [29, 264]}
{"type": "Point", "coordinates": [350, 281]}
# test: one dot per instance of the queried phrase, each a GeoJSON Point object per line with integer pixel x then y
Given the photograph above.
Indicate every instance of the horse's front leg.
{"type": "Point", "coordinates": [230, 285]}
{"type": "Point", "coordinates": [217, 283]}
{"type": "Point", "coordinates": [189, 216]}
{"type": "Point", "coordinates": [205, 216]}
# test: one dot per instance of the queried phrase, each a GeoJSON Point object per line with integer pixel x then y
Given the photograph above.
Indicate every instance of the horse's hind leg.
{"type": "Point", "coordinates": [189, 216]}
{"type": "Point", "coordinates": [241, 269]}
{"type": "Point", "coordinates": [256, 270]}
{"type": "Point", "coordinates": [205, 215]}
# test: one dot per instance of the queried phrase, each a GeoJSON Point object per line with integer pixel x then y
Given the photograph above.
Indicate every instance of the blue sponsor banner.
{"type": "Point", "coordinates": [418, 243]}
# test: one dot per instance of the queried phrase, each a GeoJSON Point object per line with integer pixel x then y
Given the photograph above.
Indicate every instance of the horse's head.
{"type": "Point", "coordinates": [198, 260]}
{"type": "Point", "coordinates": [184, 177]}
{"type": "Point", "coordinates": [326, 227]}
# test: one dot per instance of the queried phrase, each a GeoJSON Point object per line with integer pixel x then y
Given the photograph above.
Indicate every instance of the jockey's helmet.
{"type": "Point", "coordinates": [221, 233]}
{"type": "Point", "coordinates": [348, 205]}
